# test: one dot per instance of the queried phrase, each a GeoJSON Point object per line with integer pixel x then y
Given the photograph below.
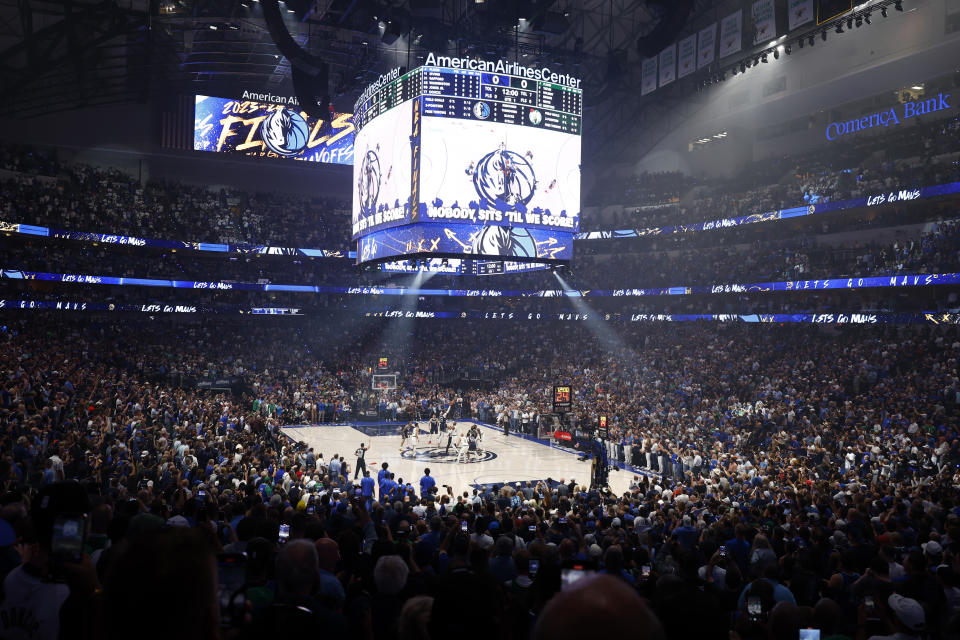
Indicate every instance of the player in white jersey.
{"type": "Point", "coordinates": [463, 448]}
{"type": "Point", "coordinates": [414, 435]}
{"type": "Point", "coordinates": [451, 435]}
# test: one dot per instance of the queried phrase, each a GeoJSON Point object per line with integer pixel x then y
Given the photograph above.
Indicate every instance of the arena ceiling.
{"type": "Point", "coordinates": [69, 54]}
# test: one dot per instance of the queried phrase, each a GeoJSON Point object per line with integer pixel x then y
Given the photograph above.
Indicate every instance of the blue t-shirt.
{"type": "Point", "coordinates": [366, 487]}
{"type": "Point", "coordinates": [426, 483]}
{"type": "Point", "coordinates": [740, 550]}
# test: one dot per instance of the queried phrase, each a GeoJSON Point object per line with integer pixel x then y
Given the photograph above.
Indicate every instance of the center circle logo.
{"type": "Point", "coordinates": [505, 176]}
{"type": "Point", "coordinates": [440, 455]}
{"type": "Point", "coordinates": [368, 186]}
{"type": "Point", "coordinates": [285, 132]}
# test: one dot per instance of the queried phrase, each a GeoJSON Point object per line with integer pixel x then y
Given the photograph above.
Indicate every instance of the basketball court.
{"type": "Point", "coordinates": [500, 458]}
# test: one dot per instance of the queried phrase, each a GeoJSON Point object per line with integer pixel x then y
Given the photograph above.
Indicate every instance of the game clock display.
{"type": "Point", "coordinates": [472, 163]}
{"type": "Point", "coordinates": [562, 398]}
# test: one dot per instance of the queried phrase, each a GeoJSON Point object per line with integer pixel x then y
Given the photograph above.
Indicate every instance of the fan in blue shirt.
{"type": "Point", "coordinates": [426, 483]}
{"type": "Point", "coordinates": [366, 488]}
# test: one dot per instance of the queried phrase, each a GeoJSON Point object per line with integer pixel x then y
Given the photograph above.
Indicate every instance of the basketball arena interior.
{"type": "Point", "coordinates": [480, 319]}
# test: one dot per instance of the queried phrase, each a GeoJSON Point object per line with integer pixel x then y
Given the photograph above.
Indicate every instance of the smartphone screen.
{"type": "Point", "coordinates": [569, 577]}
{"type": "Point", "coordinates": [534, 567]}
{"type": "Point", "coordinates": [67, 542]}
{"type": "Point", "coordinates": [284, 533]}
{"type": "Point", "coordinates": [532, 527]}
{"type": "Point", "coordinates": [645, 571]}
{"type": "Point", "coordinates": [563, 521]}
{"type": "Point", "coordinates": [809, 634]}
{"type": "Point", "coordinates": [463, 526]}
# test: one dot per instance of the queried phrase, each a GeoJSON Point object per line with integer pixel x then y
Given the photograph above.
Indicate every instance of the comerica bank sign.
{"type": "Point", "coordinates": [889, 117]}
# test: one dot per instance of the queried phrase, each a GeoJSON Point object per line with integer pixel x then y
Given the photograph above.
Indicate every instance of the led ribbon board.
{"type": "Point", "coordinates": [926, 317]}
{"type": "Point", "coordinates": [870, 282]}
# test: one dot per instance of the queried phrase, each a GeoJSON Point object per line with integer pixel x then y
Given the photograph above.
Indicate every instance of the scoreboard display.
{"type": "Point", "coordinates": [465, 157]}
{"type": "Point", "coordinates": [562, 398]}
{"type": "Point", "coordinates": [457, 92]}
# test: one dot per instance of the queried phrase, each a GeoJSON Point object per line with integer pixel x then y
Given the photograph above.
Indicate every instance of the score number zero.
{"type": "Point", "coordinates": [524, 84]}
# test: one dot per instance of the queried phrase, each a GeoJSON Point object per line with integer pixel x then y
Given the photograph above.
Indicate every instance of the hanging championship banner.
{"type": "Point", "coordinates": [687, 56]}
{"type": "Point", "coordinates": [764, 22]}
{"type": "Point", "coordinates": [731, 33]}
{"type": "Point", "coordinates": [668, 65]}
{"type": "Point", "coordinates": [706, 46]}
{"type": "Point", "coordinates": [799, 13]}
{"type": "Point", "coordinates": [648, 76]}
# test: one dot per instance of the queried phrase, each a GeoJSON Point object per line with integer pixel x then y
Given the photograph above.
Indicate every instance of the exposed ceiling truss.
{"type": "Point", "coordinates": [75, 53]}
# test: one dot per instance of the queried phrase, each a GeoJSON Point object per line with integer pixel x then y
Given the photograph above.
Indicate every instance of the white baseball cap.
{"type": "Point", "coordinates": [908, 611]}
{"type": "Point", "coordinates": [932, 548]}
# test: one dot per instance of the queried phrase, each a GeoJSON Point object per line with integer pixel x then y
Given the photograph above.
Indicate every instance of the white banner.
{"type": "Point", "coordinates": [687, 56]}
{"type": "Point", "coordinates": [799, 12]}
{"type": "Point", "coordinates": [706, 46]}
{"type": "Point", "coordinates": [764, 22]}
{"type": "Point", "coordinates": [731, 33]}
{"type": "Point", "coordinates": [648, 76]}
{"type": "Point", "coordinates": [668, 65]}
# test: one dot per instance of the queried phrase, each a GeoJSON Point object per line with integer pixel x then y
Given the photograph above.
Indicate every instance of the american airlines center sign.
{"type": "Point", "coordinates": [889, 117]}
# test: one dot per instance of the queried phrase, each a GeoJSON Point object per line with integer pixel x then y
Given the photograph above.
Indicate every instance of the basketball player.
{"type": "Point", "coordinates": [414, 435]}
{"type": "Point", "coordinates": [451, 432]}
{"type": "Point", "coordinates": [404, 434]}
{"type": "Point", "coordinates": [463, 449]}
{"type": "Point", "coordinates": [472, 444]}
{"type": "Point", "coordinates": [434, 427]}
{"type": "Point", "coordinates": [479, 439]}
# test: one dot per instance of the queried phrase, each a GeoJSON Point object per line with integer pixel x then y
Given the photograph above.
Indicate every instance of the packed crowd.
{"type": "Point", "coordinates": [792, 479]}
{"type": "Point", "coordinates": [42, 191]}
{"type": "Point", "coordinates": [934, 248]}
{"type": "Point", "coordinates": [916, 156]}
{"type": "Point", "coordinates": [38, 189]}
{"type": "Point", "coordinates": [783, 477]}
{"type": "Point", "coordinates": [931, 248]}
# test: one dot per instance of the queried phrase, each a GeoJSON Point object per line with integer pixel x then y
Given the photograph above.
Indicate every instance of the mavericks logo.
{"type": "Point", "coordinates": [438, 455]}
{"type": "Point", "coordinates": [368, 186]}
{"type": "Point", "coordinates": [505, 176]}
{"type": "Point", "coordinates": [285, 132]}
{"type": "Point", "coordinates": [504, 241]}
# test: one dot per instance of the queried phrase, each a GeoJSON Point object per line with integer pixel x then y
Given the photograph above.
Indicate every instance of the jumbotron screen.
{"type": "Point", "coordinates": [468, 157]}
{"type": "Point", "coordinates": [270, 126]}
